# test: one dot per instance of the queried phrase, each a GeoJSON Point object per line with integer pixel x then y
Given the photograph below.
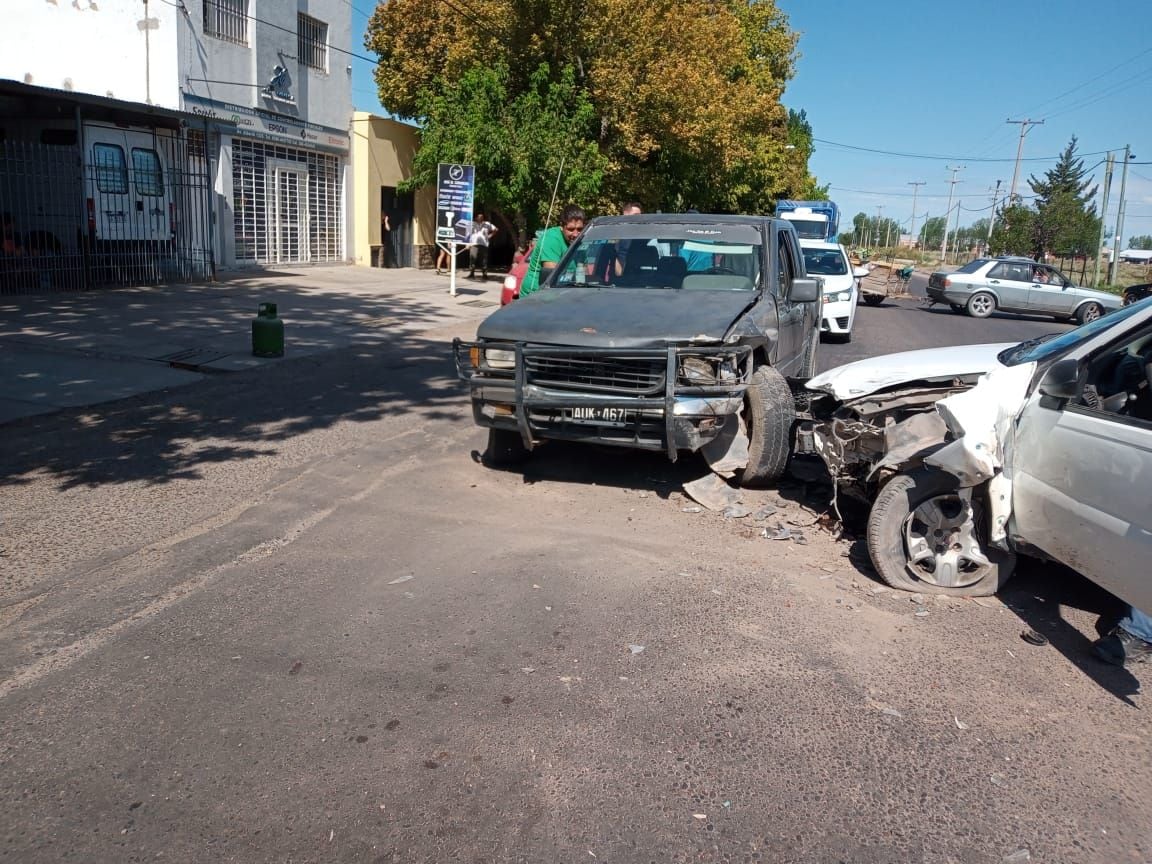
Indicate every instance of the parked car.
{"type": "Point", "coordinates": [1021, 285]}
{"type": "Point", "coordinates": [686, 336]}
{"type": "Point", "coordinates": [830, 262]}
{"type": "Point", "coordinates": [1136, 293]}
{"type": "Point", "coordinates": [1049, 453]}
{"type": "Point", "coordinates": [510, 289]}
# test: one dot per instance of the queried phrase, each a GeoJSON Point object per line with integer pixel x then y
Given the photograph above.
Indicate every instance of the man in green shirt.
{"type": "Point", "coordinates": [553, 244]}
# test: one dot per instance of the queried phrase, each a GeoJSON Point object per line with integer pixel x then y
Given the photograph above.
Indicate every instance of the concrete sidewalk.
{"type": "Point", "coordinates": [69, 350]}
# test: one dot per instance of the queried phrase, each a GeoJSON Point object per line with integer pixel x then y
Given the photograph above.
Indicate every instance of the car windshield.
{"type": "Point", "coordinates": [722, 256]}
{"type": "Point", "coordinates": [825, 262]}
{"type": "Point", "coordinates": [1054, 344]}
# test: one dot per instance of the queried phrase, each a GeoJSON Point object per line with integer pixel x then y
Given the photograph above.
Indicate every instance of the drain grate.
{"type": "Point", "coordinates": [191, 357]}
{"type": "Point", "coordinates": [479, 304]}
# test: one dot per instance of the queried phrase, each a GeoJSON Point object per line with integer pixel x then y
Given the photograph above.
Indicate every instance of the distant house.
{"type": "Point", "coordinates": [1136, 256]}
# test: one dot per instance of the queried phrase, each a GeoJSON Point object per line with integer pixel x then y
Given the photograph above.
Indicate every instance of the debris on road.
{"type": "Point", "coordinates": [296, 667]}
{"type": "Point", "coordinates": [736, 511]}
{"type": "Point", "coordinates": [891, 712]}
{"type": "Point", "coordinates": [636, 649]}
{"type": "Point", "coordinates": [780, 532]}
{"type": "Point", "coordinates": [700, 816]}
{"type": "Point", "coordinates": [1034, 638]}
{"type": "Point", "coordinates": [527, 670]}
{"type": "Point", "coordinates": [960, 724]}
{"type": "Point", "coordinates": [692, 509]}
{"type": "Point", "coordinates": [1018, 857]}
{"type": "Point", "coordinates": [405, 578]}
{"type": "Point", "coordinates": [712, 492]}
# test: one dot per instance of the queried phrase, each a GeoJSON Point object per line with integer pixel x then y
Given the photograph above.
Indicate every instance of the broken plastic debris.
{"type": "Point", "coordinates": [891, 712]}
{"type": "Point", "coordinates": [764, 512]}
{"type": "Point", "coordinates": [736, 511]}
{"type": "Point", "coordinates": [527, 670]}
{"type": "Point", "coordinates": [999, 780]}
{"type": "Point", "coordinates": [712, 492]}
{"type": "Point", "coordinates": [1018, 857]}
{"type": "Point", "coordinates": [636, 649]}
{"type": "Point", "coordinates": [405, 578]}
{"type": "Point", "coordinates": [780, 532]}
{"type": "Point", "coordinates": [699, 815]}
{"type": "Point", "coordinates": [727, 453]}
{"type": "Point", "coordinates": [692, 509]}
{"type": "Point", "coordinates": [1034, 638]}
{"type": "Point", "coordinates": [960, 724]}
{"type": "Point", "coordinates": [922, 613]}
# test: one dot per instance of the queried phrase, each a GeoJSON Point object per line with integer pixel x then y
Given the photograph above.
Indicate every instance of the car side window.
{"type": "Point", "coordinates": [1000, 271]}
{"type": "Point", "coordinates": [1119, 381]}
{"type": "Point", "coordinates": [786, 266]}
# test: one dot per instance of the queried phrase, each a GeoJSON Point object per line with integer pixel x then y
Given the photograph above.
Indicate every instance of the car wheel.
{"type": "Point", "coordinates": [874, 299]}
{"type": "Point", "coordinates": [924, 536]}
{"type": "Point", "coordinates": [505, 448]}
{"type": "Point", "coordinates": [956, 307]}
{"type": "Point", "coordinates": [981, 304]}
{"type": "Point", "coordinates": [1089, 312]}
{"type": "Point", "coordinates": [769, 412]}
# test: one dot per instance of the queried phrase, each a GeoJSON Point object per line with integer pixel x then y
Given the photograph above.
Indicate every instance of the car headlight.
{"type": "Point", "coordinates": [838, 296]}
{"type": "Point", "coordinates": [500, 358]}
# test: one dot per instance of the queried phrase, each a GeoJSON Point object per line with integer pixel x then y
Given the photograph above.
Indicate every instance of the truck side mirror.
{"type": "Point", "coordinates": [805, 290]}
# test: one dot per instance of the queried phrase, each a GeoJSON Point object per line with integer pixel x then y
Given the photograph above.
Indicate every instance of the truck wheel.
{"type": "Point", "coordinates": [769, 413]}
{"type": "Point", "coordinates": [505, 448]}
{"type": "Point", "coordinates": [922, 536]}
{"type": "Point", "coordinates": [981, 304]}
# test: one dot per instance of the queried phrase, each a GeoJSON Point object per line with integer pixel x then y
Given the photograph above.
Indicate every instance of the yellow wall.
{"type": "Point", "coordinates": [382, 151]}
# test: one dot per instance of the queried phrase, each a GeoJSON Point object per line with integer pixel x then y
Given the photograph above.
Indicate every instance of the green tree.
{"type": "Point", "coordinates": [1140, 241]}
{"type": "Point", "coordinates": [681, 98]}
{"type": "Point", "coordinates": [1014, 231]}
{"type": "Point", "coordinates": [1065, 222]}
{"type": "Point", "coordinates": [932, 232]}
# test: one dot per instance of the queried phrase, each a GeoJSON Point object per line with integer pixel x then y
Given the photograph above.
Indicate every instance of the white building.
{"type": "Point", "coordinates": [270, 78]}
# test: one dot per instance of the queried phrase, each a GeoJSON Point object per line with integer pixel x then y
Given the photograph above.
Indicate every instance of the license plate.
{"type": "Point", "coordinates": [599, 415]}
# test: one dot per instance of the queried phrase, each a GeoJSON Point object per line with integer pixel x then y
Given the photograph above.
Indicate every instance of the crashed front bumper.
{"type": "Point", "coordinates": [671, 415]}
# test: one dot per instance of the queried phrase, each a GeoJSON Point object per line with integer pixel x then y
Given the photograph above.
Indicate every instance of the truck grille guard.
{"type": "Point", "coordinates": [660, 396]}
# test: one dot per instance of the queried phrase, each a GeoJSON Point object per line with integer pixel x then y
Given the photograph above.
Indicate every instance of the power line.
{"type": "Point", "coordinates": [943, 158]}
{"type": "Point", "coordinates": [1104, 74]}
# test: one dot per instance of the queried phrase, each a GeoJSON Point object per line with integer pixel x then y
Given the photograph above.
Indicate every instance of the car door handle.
{"type": "Point", "coordinates": [993, 281]}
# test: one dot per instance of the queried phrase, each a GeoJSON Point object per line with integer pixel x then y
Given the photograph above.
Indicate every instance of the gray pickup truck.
{"type": "Point", "coordinates": [657, 332]}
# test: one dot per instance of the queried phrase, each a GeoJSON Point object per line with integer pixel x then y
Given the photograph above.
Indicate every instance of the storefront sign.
{"type": "Point", "coordinates": [455, 193]}
{"type": "Point", "coordinates": [261, 125]}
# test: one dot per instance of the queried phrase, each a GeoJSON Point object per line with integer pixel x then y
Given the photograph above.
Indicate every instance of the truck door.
{"type": "Point", "coordinates": [791, 316]}
{"type": "Point", "coordinates": [129, 194]}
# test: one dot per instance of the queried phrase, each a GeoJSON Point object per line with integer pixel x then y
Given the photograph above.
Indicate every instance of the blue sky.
{"type": "Point", "coordinates": [941, 80]}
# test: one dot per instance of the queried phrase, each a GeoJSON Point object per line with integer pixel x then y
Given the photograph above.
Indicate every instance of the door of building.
{"type": "Point", "coordinates": [290, 215]}
{"type": "Point", "coordinates": [397, 244]}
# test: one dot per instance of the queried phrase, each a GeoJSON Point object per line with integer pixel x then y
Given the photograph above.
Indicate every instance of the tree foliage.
{"type": "Point", "coordinates": [675, 103]}
{"type": "Point", "coordinates": [1140, 241]}
{"type": "Point", "coordinates": [932, 232]}
{"type": "Point", "coordinates": [1014, 231]}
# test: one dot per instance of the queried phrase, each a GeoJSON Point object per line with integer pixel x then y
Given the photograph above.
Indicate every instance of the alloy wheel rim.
{"type": "Point", "coordinates": [941, 545]}
{"type": "Point", "coordinates": [1091, 313]}
{"type": "Point", "coordinates": [982, 304]}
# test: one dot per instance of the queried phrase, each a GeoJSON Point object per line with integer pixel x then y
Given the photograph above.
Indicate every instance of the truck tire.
{"type": "Point", "coordinates": [505, 448]}
{"type": "Point", "coordinates": [921, 512]}
{"type": "Point", "coordinates": [769, 414]}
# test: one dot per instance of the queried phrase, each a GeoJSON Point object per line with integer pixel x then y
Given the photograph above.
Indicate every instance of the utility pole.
{"type": "Point", "coordinates": [1108, 162]}
{"type": "Point", "coordinates": [1024, 126]}
{"type": "Point", "coordinates": [948, 212]}
{"type": "Point", "coordinates": [1118, 239]}
{"type": "Point", "coordinates": [876, 233]}
{"type": "Point", "coordinates": [992, 218]}
{"type": "Point", "coordinates": [915, 184]}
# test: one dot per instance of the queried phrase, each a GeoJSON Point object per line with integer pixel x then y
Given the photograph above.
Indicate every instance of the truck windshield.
{"type": "Point", "coordinates": [809, 229]}
{"type": "Point", "coordinates": [708, 256]}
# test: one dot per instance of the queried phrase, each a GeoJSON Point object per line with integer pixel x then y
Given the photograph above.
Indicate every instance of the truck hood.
{"type": "Point", "coordinates": [617, 317]}
{"type": "Point", "coordinates": [930, 364]}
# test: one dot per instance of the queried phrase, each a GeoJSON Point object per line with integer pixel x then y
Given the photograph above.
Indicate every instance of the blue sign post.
{"type": "Point", "coordinates": [455, 199]}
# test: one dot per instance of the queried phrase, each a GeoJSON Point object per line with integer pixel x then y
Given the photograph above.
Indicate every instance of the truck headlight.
{"type": "Point", "coordinates": [500, 358]}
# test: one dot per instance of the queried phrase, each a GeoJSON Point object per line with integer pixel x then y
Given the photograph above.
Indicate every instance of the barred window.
{"type": "Point", "coordinates": [227, 20]}
{"type": "Point", "coordinates": [312, 42]}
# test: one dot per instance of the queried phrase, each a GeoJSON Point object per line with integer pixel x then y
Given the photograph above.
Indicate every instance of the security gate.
{"type": "Point", "coordinates": [286, 204]}
{"type": "Point", "coordinates": [289, 217]}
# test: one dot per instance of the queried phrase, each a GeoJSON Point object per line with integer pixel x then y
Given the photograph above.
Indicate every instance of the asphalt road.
{"type": "Point", "coordinates": [287, 617]}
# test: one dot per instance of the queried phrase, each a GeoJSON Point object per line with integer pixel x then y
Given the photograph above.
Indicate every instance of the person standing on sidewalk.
{"type": "Point", "coordinates": [478, 237]}
{"type": "Point", "coordinates": [1129, 642]}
